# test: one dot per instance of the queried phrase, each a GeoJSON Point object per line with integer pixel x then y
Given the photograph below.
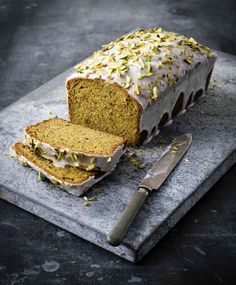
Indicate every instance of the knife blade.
{"type": "Point", "coordinates": [152, 181]}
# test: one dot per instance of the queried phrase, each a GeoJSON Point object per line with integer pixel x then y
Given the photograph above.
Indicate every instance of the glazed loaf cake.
{"type": "Point", "coordinates": [136, 84]}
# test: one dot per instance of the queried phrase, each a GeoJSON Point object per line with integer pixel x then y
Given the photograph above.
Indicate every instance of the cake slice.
{"type": "Point", "coordinates": [73, 180]}
{"type": "Point", "coordinates": [65, 144]}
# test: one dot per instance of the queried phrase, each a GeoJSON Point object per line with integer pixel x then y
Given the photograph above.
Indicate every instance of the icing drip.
{"type": "Point", "coordinates": [194, 81]}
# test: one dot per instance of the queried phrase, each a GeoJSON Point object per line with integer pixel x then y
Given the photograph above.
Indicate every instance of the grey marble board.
{"type": "Point", "coordinates": [212, 122]}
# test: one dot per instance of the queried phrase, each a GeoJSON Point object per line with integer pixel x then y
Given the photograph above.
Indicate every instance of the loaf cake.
{"type": "Point", "coordinates": [73, 180]}
{"type": "Point", "coordinates": [65, 143]}
{"type": "Point", "coordinates": [138, 83]}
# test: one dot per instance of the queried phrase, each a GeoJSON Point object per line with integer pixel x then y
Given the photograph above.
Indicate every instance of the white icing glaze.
{"type": "Point", "coordinates": [190, 84]}
{"type": "Point", "coordinates": [82, 160]}
{"type": "Point", "coordinates": [183, 54]}
{"type": "Point", "coordinates": [74, 189]}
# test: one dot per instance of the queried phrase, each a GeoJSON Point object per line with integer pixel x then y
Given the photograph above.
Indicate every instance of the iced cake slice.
{"type": "Point", "coordinates": [73, 180]}
{"type": "Point", "coordinates": [65, 144]}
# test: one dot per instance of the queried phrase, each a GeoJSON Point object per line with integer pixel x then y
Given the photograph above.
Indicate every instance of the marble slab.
{"type": "Point", "coordinates": [212, 122]}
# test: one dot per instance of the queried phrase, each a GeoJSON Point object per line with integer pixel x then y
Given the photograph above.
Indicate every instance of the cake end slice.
{"type": "Point", "coordinates": [73, 180]}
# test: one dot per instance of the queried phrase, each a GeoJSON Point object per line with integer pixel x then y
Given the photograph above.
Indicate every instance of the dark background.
{"type": "Point", "coordinates": [40, 39]}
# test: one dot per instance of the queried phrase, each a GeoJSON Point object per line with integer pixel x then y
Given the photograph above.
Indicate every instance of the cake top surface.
{"type": "Point", "coordinates": [68, 174]}
{"type": "Point", "coordinates": [62, 135]}
{"type": "Point", "coordinates": [145, 62]}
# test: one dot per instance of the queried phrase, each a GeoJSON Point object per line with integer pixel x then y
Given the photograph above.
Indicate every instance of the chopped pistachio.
{"type": "Point", "coordinates": [109, 159]}
{"type": "Point", "coordinates": [98, 66]}
{"type": "Point", "coordinates": [100, 190]}
{"type": "Point", "coordinates": [148, 58]}
{"type": "Point", "coordinates": [40, 176]}
{"type": "Point", "coordinates": [60, 156]}
{"type": "Point", "coordinates": [86, 204]}
{"type": "Point", "coordinates": [93, 159]}
{"type": "Point", "coordinates": [112, 69]}
{"type": "Point", "coordinates": [123, 84]}
{"type": "Point", "coordinates": [187, 60]}
{"type": "Point", "coordinates": [92, 199]}
{"type": "Point", "coordinates": [24, 163]}
{"type": "Point", "coordinates": [168, 60]}
{"type": "Point", "coordinates": [155, 49]}
{"type": "Point", "coordinates": [171, 81]}
{"type": "Point", "coordinates": [192, 41]}
{"type": "Point", "coordinates": [149, 73]}
{"type": "Point", "coordinates": [133, 162]}
{"type": "Point", "coordinates": [90, 167]}
{"type": "Point", "coordinates": [142, 65]}
{"type": "Point", "coordinates": [136, 89]}
{"type": "Point", "coordinates": [211, 54]}
{"type": "Point", "coordinates": [122, 56]}
{"type": "Point", "coordinates": [154, 93]}
{"type": "Point", "coordinates": [119, 71]}
{"type": "Point", "coordinates": [149, 67]}
{"type": "Point", "coordinates": [55, 182]}
{"type": "Point", "coordinates": [111, 59]}
{"type": "Point", "coordinates": [131, 154]}
{"type": "Point", "coordinates": [128, 81]}
{"type": "Point", "coordinates": [141, 166]}
{"type": "Point", "coordinates": [74, 156]}
{"type": "Point", "coordinates": [140, 76]}
{"type": "Point", "coordinates": [174, 148]}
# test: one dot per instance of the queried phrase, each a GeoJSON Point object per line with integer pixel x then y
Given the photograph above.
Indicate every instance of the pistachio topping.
{"type": "Point", "coordinates": [55, 182]}
{"type": "Point", "coordinates": [136, 89]}
{"type": "Point", "coordinates": [60, 156]}
{"type": "Point", "coordinates": [144, 56]}
{"type": "Point", "coordinates": [74, 156]}
{"type": "Point", "coordinates": [154, 93]}
{"type": "Point", "coordinates": [141, 166]}
{"type": "Point", "coordinates": [40, 176]}
{"type": "Point", "coordinates": [90, 167]}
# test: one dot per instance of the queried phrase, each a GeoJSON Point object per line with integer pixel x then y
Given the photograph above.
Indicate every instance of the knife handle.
{"type": "Point", "coordinates": [121, 227]}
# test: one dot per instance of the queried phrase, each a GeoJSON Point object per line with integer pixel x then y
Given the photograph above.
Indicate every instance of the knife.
{"type": "Point", "coordinates": [152, 181]}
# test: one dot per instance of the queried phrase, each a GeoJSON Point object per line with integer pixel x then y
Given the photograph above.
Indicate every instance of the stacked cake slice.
{"type": "Point", "coordinates": [71, 156]}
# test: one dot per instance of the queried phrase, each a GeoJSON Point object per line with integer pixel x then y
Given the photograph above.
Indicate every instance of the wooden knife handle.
{"type": "Point", "coordinates": [121, 227]}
